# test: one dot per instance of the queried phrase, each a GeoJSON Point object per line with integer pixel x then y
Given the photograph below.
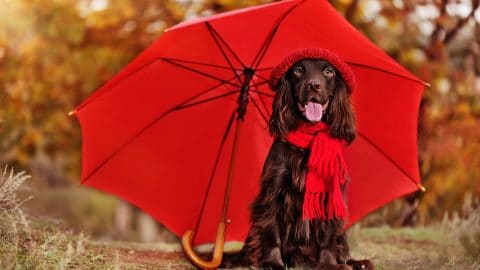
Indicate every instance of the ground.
{"type": "Point", "coordinates": [389, 248]}
{"type": "Point", "coordinates": [28, 242]}
{"type": "Point", "coordinates": [403, 248]}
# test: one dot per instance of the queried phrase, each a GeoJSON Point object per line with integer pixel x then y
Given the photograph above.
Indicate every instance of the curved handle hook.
{"type": "Point", "coordinates": [217, 252]}
{"type": "Point", "coordinates": [219, 242]}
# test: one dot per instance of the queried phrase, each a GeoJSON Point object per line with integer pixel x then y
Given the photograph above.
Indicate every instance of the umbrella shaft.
{"type": "Point", "coordinates": [218, 250]}
{"type": "Point", "coordinates": [228, 185]}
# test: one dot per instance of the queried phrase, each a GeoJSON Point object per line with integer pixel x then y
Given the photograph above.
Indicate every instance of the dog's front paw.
{"type": "Point", "coordinates": [361, 264]}
{"type": "Point", "coordinates": [343, 267]}
{"type": "Point", "coordinates": [273, 259]}
{"type": "Point", "coordinates": [328, 262]}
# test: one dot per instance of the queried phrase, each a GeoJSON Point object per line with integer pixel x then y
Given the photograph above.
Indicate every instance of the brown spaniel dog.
{"type": "Point", "coordinates": [310, 88]}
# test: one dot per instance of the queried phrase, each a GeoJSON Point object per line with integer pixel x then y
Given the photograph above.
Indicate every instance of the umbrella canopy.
{"type": "Point", "coordinates": [160, 134]}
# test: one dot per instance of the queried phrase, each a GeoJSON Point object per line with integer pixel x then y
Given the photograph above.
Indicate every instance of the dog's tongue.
{"type": "Point", "coordinates": [313, 111]}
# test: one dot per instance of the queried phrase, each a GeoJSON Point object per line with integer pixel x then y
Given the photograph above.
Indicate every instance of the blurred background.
{"type": "Point", "coordinates": [54, 53]}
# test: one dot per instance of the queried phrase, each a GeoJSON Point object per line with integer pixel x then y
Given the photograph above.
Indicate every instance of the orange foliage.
{"type": "Point", "coordinates": [53, 54]}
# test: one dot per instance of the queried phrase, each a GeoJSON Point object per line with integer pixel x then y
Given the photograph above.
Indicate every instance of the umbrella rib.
{"type": "Point", "coordinates": [261, 83]}
{"type": "Point", "coordinates": [261, 77]}
{"type": "Point", "coordinates": [389, 72]}
{"type": "Point", "coordinates": [200, 94]}
{"type": "Point", "coordinates": [264, 68]}
{"type": "Point", "coordinates": [263, 50]}
{"type": "Point", "coordinates": [388, 157]}
{"type": "Point", "coordinates": [214, 169]}
{"type": "Point", "coordinates": [261, 93]}
{"type": "Point", "coordinates": [205, 100]}
{"type": "Point", "coordinates": [153, 122]}
{"type": "Point", "coordinates": [95, 95]}
{"type": "Point", "coordinates": [258, 108]}
{"type": "Point", "coordinates": [200, 72]}
{"type": "Point", "coordinates": [199, 63]}
{"type": "Point", "coordinates": [261, 100]}
{"type": "Point", "coordinates": [215, 34]}
{"type": "Point", "coordinates": [215, 37]}
{"type": "Point", "coordinates": [263, 103]}
{"type": "Point", "coordinates": [170, 61]}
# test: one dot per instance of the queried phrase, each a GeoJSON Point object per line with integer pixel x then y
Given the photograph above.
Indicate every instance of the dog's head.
{"type": "Point", "coordinates": [312, 90]}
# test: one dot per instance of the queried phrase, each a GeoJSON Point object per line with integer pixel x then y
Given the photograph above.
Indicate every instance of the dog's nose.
{"type": "Point", "coordinates": [314, 84]}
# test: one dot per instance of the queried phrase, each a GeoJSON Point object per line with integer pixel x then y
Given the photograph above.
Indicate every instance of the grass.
{"type": "Point", "coordinates": [410, 248]}
{"type": "Point", "coordinates": [30, 243]}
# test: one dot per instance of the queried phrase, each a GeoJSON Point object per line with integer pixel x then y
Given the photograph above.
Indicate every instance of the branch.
{"type": "Point", "coordinates": [351, 9]}
{"type": "Point", "coordinates": [452, 33]}
{"type": "Point", "coordinates": [436, 34]}
{"type": "Point", "coordinates": [432, 50]}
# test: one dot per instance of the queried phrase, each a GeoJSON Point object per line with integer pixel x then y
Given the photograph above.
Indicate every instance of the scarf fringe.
{"type": "Point", "coordinates": [326, 172]}
{"type": "Point", "coordinates": [327, 205]}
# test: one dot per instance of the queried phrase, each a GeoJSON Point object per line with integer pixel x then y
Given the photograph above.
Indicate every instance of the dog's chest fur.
{"type": "Point", "coordinates": [298, 236]}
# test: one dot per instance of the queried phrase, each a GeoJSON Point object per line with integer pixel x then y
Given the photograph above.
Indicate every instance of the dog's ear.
{"type": "Point", "coordinates": [340, 114]}
{"type": "Point", "coordinates": [283, 120]}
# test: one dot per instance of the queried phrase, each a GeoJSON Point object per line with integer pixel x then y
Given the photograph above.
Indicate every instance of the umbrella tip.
{"type": "Point", "coordinates": [70, 113]}
{"type": "Point", "coordinates": [421, 187]}
{"type": "Point", "coordinates": [427, 84]}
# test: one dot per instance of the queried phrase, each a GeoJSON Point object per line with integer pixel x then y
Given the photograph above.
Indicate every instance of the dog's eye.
{"type": "Point", "coordinates": [329, 72]}
{"type": "Point", "coordinates": [299, 71]}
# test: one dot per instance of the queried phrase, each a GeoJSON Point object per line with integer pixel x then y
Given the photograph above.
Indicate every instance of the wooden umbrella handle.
{"type": "Point", "coordinates": [220, 240]}
{"type": "Point", "coordinates": [217, 252]}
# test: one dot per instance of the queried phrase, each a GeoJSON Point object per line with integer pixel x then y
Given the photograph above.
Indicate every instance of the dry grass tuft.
{"type": "Point", "coordinates": [465, 227]}
{"type": "Point", "coordinates": [31, 245]}
{"type": "Point", "coordinates": [9, 185]}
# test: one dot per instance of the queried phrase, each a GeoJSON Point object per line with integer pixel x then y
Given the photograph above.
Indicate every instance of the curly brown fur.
{"type": "Point", "coordinates": [278, 236]}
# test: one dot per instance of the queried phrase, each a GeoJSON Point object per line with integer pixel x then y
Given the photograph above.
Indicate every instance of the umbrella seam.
{"type": "Point", "coordinates": [200, 72]}
{"type": "Point", "coordinates": [206, 100]}
{"type": "Point", "coordinates": [166, 60]}
{"type": "Point", "coordinates": [388, 157]}
{"type": "Point", "coordinates": [155, 121]}
{"type": "Point", "coordinates": [387, 71]}
{"type": "Point", "coordinates": [199, 63]}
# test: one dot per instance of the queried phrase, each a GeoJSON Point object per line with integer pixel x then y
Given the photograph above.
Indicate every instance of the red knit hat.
{"type": "Point", "coordinates": [314, 53]}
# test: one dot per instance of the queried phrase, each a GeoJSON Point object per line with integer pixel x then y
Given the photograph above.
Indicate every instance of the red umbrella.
{"type": "Point", "coordinates": [186, 121]}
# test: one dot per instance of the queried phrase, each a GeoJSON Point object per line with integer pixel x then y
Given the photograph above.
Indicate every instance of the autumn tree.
{"type": "Point", "coordinates": [53, 54]}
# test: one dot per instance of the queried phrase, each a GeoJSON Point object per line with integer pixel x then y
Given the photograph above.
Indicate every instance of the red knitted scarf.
{"type": "Point", "coordinates": [326, 171]}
